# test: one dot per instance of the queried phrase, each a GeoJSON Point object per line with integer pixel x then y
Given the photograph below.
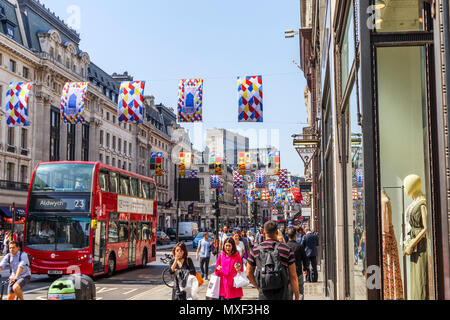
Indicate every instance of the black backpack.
{"type": "Point", "coordinates": [271, 274]}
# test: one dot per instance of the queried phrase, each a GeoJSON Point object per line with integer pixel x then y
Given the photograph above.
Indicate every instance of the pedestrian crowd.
{"type": "Point", "coordinates": [275, 262]}
{"type": "Point", "coordinates": [6, 237]}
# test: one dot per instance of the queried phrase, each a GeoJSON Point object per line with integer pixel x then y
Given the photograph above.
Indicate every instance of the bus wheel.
{"type": "Point", "coordinates": [111, 265]}
{"type": "Point", "coordinates": [144, 258]}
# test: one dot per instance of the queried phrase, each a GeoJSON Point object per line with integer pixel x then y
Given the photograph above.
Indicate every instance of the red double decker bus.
{"type": "Point", "coordinates": [90, 218]}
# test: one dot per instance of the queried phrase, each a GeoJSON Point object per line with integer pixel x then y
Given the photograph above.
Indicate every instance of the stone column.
{"type": "Point", "coordinates": [78, 141]}
{"type": "Point", "coordinates": [63, 142]}
{"type": "Point", "coordinates": [41, 128]}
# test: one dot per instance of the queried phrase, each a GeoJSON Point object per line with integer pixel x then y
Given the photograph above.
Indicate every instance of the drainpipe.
{"type": "Point", "coordinates": [446, 20]}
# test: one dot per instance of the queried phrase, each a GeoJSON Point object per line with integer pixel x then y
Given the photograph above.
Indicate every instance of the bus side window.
{"type": "Point", "coordinates": [114, 181]}
{"type": "Point", "coordinates": [133, 187]}
{"type": "Point", "coordinates": [103, 181]}
{"type": "Point", "coordinates": [152, 191]}
{"type": "Point", "coordinates": [146, 190]}
{"type": "Point", "coordinates": [124, 231]}
{"type": "Point", "coordinates": [140, 192]}
{"type": "Point", "coordinates": [124, 185]}
{"type": "Point", "coordinates": [113, 232]}
{"type": "Point", "coordinates": [139, 235]}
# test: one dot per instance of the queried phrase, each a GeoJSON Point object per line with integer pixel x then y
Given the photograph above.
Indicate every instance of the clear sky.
{"type": "Point", "coordinates": [163, 41]}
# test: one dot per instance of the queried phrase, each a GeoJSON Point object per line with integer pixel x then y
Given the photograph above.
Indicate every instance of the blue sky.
{"type": "Point", "coordinates": [163, 41]}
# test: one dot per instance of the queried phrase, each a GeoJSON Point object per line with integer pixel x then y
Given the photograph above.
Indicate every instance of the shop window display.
{"type": "Point", "coordinates": [404, 174]}
{"type": "Point", "coordinates": [398, 15]}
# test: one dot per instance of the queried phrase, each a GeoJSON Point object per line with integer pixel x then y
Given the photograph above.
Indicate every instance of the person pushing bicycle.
{"type": "Point", "coordinates": [20, 270]}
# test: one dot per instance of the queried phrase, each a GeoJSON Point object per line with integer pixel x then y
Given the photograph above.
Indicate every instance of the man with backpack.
{"type": "Point", "coordinates": [271, 268]}
{"type": "Point", "coordinates": [20, 270]}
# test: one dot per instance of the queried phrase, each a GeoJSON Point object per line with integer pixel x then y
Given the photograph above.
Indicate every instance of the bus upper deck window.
{"type": "Point", "coordinates": [124, 185]}
{"type": "Point", "coordinates": [114, 182]}
{"type": "Point", "coordinates": [103, 181]}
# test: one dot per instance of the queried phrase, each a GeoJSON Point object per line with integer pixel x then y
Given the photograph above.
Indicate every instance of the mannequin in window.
{"type": "Point", "coordinates": [392, 279]}
{"type": "Point", "coordinates": [416, 246]}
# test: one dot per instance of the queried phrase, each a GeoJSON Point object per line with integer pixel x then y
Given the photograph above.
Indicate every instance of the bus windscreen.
{"type": "Point", "coordinates": [63, 177]}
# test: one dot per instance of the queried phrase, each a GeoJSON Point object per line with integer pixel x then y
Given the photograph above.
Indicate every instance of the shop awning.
{"type": "Point", "coordinates": [4, 211]}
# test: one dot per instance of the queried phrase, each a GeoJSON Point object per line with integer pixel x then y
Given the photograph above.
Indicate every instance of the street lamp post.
{"type": "Point", "coordinates": [217, 212]}
{"type": "Point", "coordinates": [255, 214]}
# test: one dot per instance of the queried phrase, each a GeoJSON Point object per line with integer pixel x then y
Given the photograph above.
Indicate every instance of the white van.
{"type": "Point", "coordinates": [187, 230]}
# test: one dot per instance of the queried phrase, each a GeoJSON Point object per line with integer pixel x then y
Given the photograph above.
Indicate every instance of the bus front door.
{"type": "Point", "coordinates": [99, 243]}
{"type": "Point", "coordinates": [132, 245]}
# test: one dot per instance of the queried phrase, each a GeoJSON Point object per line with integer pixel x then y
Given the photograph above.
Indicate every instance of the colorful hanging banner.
{"type": "Point", "coordinates": [283, 182]}
{"type": "Point", "coordinates": [279, 196]}
{"type": "Point", "coordinates": [194, 174]}
{"type": "Point", "coordinates": [17, 97]}
{"type": "Point", "coordinates": [215, 164]}
{"type": "Point", "coordinates": [237, 195]}
{"type": "Point", "coordinates": [297, 195]}
{"type": "Point", "coordinates": [251, 191]}
{"type": "Point", "coordinates": [260, 176]}
{"type": "Point", "coordinates": [244, 163]}
{"type": "Point", "coordinates": [184, 167]}
{"type": "Point", "coordinates": [72, 102]}
{"type": "Point", "coordinates": [156, 164]}
{"type": "Point", "coordinates": [250, 97]}
{"type": "Point", "coordinates": [272, 188]}
{"type": "Point", "coordinates": [274, 163]}
{"type": "Point", "coordinates": [190, 100]}
{"type": "Point", "coordinates": [214, 182]}
{"type": "Point", "coordinates": [131, 100]}
{"type": "Point", "coordinates": [265, 195]}
{"type": "Point", "coordinates": [237, 180]}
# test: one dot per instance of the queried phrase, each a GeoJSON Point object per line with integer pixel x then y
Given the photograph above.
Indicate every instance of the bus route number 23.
{"type": "Point", "coordinates": [79, 204]}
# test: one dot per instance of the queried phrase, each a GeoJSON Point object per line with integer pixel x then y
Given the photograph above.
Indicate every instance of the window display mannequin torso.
{"type": "Point", "coordinates": [416, 246]}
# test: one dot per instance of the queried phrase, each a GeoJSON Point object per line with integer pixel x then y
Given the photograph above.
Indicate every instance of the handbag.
{"type": "Point", "coordinates": [240, 280]}
{"type": "Point", "coordinates": [197, 275]}
{"type": "Point", "coordinates": [213, 291]}
{"type": "Point", "coordinates": [199, 279]}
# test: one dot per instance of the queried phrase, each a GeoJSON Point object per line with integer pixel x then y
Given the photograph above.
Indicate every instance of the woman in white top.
{"type": "Point", "coordinates": [239, 244]}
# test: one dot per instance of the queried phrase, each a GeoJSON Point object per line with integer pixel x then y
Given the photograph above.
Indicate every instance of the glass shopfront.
{"type": "Point", "coordinates": [398, 15]}
{"type": "Point", "coordinates": [404, 164]}
{"type": "Point", "coordinates": [357, 208]}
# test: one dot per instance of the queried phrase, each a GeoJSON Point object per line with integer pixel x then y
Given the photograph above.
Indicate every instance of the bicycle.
{"type": "Point", "coordinates": [167, 277]}
{"type": "Point", "coordinates": [4, 284]}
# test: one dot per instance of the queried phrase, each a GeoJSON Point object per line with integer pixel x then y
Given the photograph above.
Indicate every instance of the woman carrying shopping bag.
{"type": "Point", "coordinates": [181, 267]}
{"type": "Point", "coordinates": [229, 264]}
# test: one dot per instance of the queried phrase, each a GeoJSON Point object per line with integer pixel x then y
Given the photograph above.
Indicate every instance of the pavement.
{"type": "Point", "coordinates": [313, 291]}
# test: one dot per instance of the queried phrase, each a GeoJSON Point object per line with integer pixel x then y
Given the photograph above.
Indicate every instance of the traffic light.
{"type": "Point", "coordinates": [13, 212]}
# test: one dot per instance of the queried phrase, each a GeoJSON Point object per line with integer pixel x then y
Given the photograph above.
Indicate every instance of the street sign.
{"type": "Point", "coordinates": [306, 153]}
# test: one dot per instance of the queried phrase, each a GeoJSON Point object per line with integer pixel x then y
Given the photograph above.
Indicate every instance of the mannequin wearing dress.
{"type": "Point", "coordinates": [392, 280]}
{"type": "Point", "coordinates": [416, 246]}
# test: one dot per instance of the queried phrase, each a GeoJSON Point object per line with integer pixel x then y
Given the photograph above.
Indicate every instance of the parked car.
{"type": "Point", "coordinates": [200, 237]}
{"type": "Point", "coordinates": [162, 238]}
{"type": "Point", "coordinates": [172, 233]}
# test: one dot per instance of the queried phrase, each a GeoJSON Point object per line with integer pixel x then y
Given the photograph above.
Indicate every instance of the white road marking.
{"type": "Point", "coordinates": [128, 292]}
{"type": "Point", "coordinates": [103, 290]}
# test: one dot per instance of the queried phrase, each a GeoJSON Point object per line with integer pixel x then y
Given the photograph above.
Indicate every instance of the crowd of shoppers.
{"type": "Point", "coordinates": [276, 262]}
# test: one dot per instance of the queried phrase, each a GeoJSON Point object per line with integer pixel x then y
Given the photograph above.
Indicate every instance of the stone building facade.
{"type": "Point", "coordinates": [38, 47]}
